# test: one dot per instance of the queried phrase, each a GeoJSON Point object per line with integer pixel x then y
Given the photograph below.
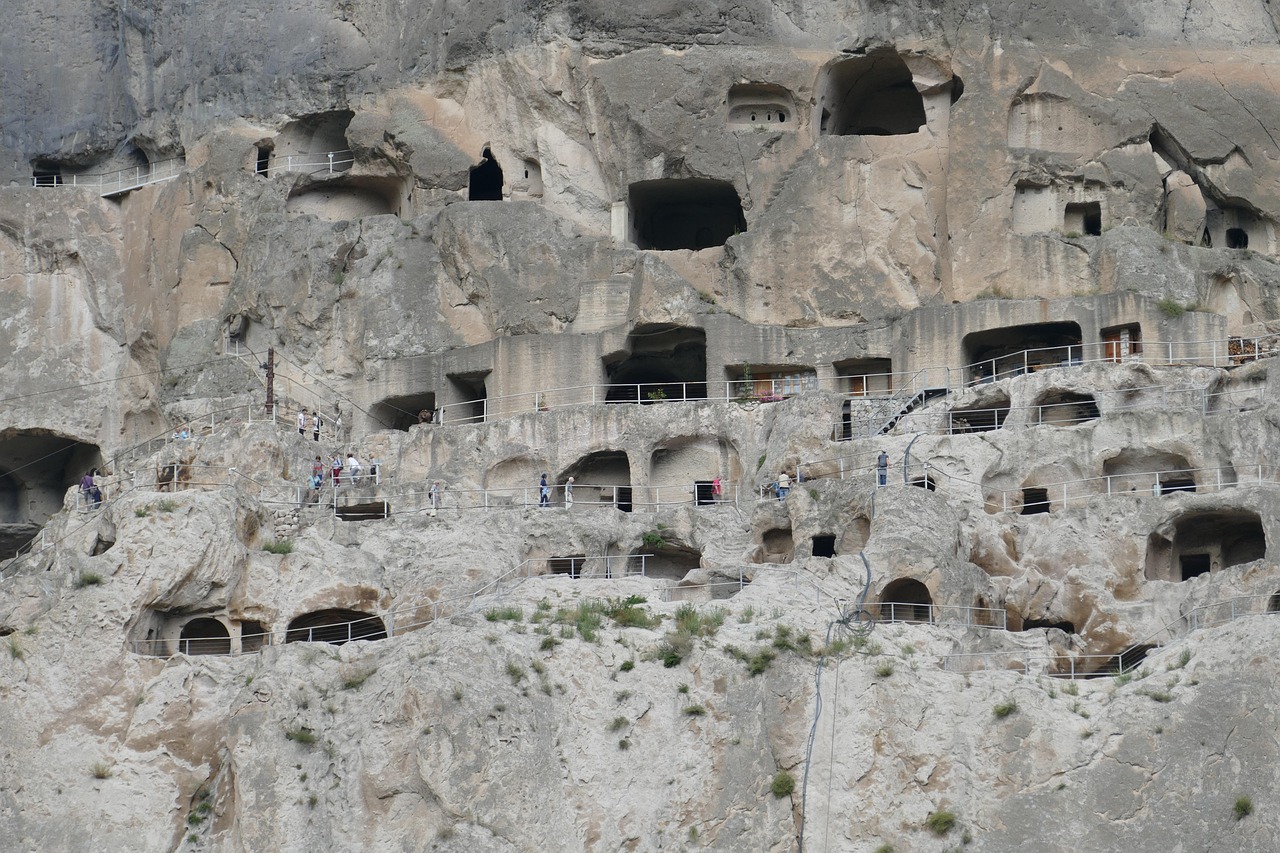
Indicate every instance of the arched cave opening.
{"type": "Point", "coordinates": [662, 362]}
{"type": "Point", "coordinates": [686, 213]}
{"type": "Point", "coordinates": [668, 562]}
{"type": "Point", "coordinates": [204, 636]}
{"type": "Point", "coordinates": [404, 411]}
{"type": "Point", "coordinates": [1083, 218]}
{"type": "Point", "coordinates": [1066, 408]}
{"type": "Point", "coordinates": [824, 545]}
{"type": "Point", "coordinates": [776, 546]}
{"type": "Point", "coordinates": [36, 469]}
{"type": "Point", "coordinates": [983, 415]}
{"type": "Point", "coordinates": [1043, 624]}
{"type": "Point", "coordinates": [1237, 238]}
{"type": "Point", "coordinates": [486, 179]}
{"type": "Point", "coordinates": [602, 478]}
{"type": "Point", "coordinates": [872, 95]}
{"type": "Point", "coordinates": [1014, 350]}
{"type": "Point", "coordinates": [1205, 542]}
{"type": "Point", "coordinates": [761, 104]}
{"type": "Point", "coordinates": [336, 626]}
{"type": "Point", "coordinates": [906, 600]}
{"type": "Point", "coordinates": [1035, 501]}
{"type": "Point", "coordinates": [570, 566]}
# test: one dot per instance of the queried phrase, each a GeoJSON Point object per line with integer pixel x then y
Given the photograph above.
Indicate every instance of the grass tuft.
{"type": "Point", "coordinates": [282, 546]}
{"type": "Point", "coordinates": [1243, 807]}
{"type": "Point", "coordinates": [940, 822]}
{"type": "Point", "coordinates": [88, 579]}
{"type": "Point", "coordinates": [783, 784]}
{"type": "Point", "coordinates": [301, 735]}
{"type": "Point", "coordinates": [1004, 709]}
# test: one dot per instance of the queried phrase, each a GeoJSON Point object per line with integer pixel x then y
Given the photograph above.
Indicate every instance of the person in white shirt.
{"type": "Point", "coordinates": [353, 468]}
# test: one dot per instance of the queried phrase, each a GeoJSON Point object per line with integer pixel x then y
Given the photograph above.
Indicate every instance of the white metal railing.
{"type": "Point", "coordinates": [118, 181]}
{"type": "Point", "coordinates": [942, 614]}
{"type": "Point", "coordinates": [330, 162]}
{"type": "Point", "coordinates": [1092, 665]}
{"type": "Point", "coordinates": [902, 385]}
{"type": "Point", "coordinates": [418, 496]}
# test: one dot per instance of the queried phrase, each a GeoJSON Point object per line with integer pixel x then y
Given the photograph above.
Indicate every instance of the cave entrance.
{"type": "Point", "coordinates": [571, 566]}
{"type": "Point", "coordinates": [906, 600]}
{"type": "Point", "coordinates": [1014, 350]}
{"type": "Point", "coordinates": [335, 626]}
{"type": "Point", "coordinates": [860, 377]}
{"type": "Point", "coordinates": [602, 477]}
{"type": "Point", "coordinates": [872, 95]}
{"type": "Point", "coordinates": [687, 213]}
{"type": "Point", "coordinates": [1083, 218]}
{"type": "Point", "coordinates": [46, 174]}
{"type": "Point", "coordinates": [1205, 542]}
{"type": "Point", "coordinates": [1035, 501]}
{"type": "Point", "coordinates": [824, 545]}
{"type": "Point", "coordinates": [253, 636]}
{"type": "Point", "coordinates": [486, 179]}
{"type": "Point", "coordinates": [1237, 238]}
{"type": "Point", "coordinates": [662, 363]}
{"type": "Point", "coordinates": [403, 412]}
{"type": "Point", "coordinates": [204, 636]}
{"type": "Point", "coordinates": [1121, 342]}
{"type": "Point", "coordinates": [777, 545]}
{"type": "Point", "coordinates": [670, 562]}
{"type": "Point", "coordinates": [469, 398]}
{"type": "Point", "coordinates": [1066, 408]}
{"type": "Point", "coordinates": [36, 469]}
{"type": "Point", "coordinates": [982, 416]}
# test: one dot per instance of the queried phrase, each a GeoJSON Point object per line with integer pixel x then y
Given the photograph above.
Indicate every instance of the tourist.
{"type": "Point", "coordinates": [316, 423]}
{"type": "Point", "coordinates": [87, 486]}
{"type": "Point", "coordinates": [336, 462]}
{"type": "Point", "coordinates": [433, 494]}
{"type": "Point", "coordinates": [784, 485]}
{"type": "Point", "coordinates": [568, 493]}
{"type": "Point", "coordinates": [302, 422]}
{"type": "Point", "coordinates": [715, 489]}
{"type": "Point", "coordinates": [882, 469]}
{"type": "Point", "coordinates": [544, 492]}
{"type": "Point", "coordinates": [353, 469]}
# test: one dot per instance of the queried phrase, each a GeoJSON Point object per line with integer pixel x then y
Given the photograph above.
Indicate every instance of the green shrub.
{"type": "Point", "coordinates": [884, 670]}
{"type": "Point", "coordinates": [1171, 307]}
{"type": "Point", "coordinates": [1004, 709]}
{"type": "Point", "coordinates": [88, 579]}
{"type": "Point", "coordinates": [653, 539]}
{"type": "Point", "coordinates": [618, 724]}
{"type": "Point", "coordinates": [301, 735]}
{"type": "Point", "coordinates": [548, 643]}
{"type": "Point", "coordinates": [759, 662]}
{"type": "Point", "coordinates": [283, 546]}
{"type": "Point", "coordinates": [940, 822]}
{"type": "Point", "coordinates": [1243, 807]}
{"type": "Point", "coordinates": [166, 505]}
{"type": "Point", "coordinates": [668, 654]}
{"type": "Point", "coordinates": [884, 848]}
{"type": "Point", "coordinates": [783, 784]}
{"type": "Point", "coordinates": [504, 614]}
{"type": "Point", "coordinates": [694, 710]}
{"type": "Point", "coordinates": [624, 744]}
{"type": "Point", "coordinates": [627, 613]}
{"type": "Point", "coordinates": [141, 511]}
{"type": "Point", "coordinates": [101, 770]}
{"type": "Point", "coordinates": [586, 618]}
{"type": "Point", "coordinates": [15, 650]}
{"type": "Point", "coordinates": [515, 671]}
{"type": "Point", "coordinates": [627, 666]}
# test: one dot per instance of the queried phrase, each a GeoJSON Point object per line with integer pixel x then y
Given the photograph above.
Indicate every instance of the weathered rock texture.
{"type": "Point", "coordinates": [476, 238]}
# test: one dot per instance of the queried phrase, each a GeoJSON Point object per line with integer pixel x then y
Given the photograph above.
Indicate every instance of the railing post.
{"type": "Point", "coordinates": [330, 162]}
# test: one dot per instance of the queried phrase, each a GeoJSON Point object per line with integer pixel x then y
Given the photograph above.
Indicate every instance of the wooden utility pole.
{"type": "Point", "coordinates": [271, 379]}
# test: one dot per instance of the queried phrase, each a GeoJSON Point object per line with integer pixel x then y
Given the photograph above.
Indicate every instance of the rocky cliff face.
{"type": "Point", "coordinates": [666, 254]}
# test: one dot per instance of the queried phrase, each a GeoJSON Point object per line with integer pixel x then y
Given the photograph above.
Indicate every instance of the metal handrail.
{"type": "Point", "coordinates": [119, 180]}
{"type": "Point", "coordinates": [1221, 352]}
{"type": "Point", "coordinates": [330, 161]}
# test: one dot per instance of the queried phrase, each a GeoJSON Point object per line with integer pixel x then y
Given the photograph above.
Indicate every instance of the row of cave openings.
{"type": "Point", "coordinates": [666, 363]}
{"type": "Point", "coordinates": [213, 635]}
